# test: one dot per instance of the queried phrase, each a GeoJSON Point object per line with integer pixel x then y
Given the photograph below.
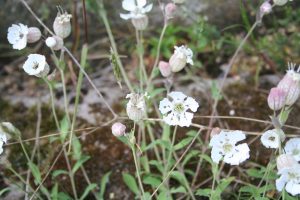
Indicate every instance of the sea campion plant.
{"type": "Point", "coordinates": [154, 117]}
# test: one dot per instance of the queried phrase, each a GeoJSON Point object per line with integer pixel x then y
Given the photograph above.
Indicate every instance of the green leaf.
{"type": "Point", "coordinates": [157, 164]}
{"type": "Point", "coordinates": [224, 183]}
{"type": "Point", "coordinates": [215, 92]}
{"type": "Point", "coordinates": [35, 172]}
{"type": "Point", "coordinates": [104, 181]}
{"type": "Point", "coordinates": [151, 180]}
{"type": "Point", "coordinates": [189, 156]}
{"type": "Point", "coordinates": [179, 177]}
{"type": "Point", "coordinates": [76, 146]}
{"type": "Point", "coordinates": [3, 191]}
{"type": "Point", "coordinates": [161, 142]}
{"type": "Point", "coordinates": [179, 189]}
{"type": "Point", "coordinates": [204, 192]}
{"type": "Point", "coordinates": [87, 190]}
{"type": "Point", "coordinates": [79, 163]}
{"type": "Point", "coordinates": [54, 192]}
{"type": "Point", "coordinates": [64, 196]}
{"type": "Point", "coordinates": [64, 128]}
{"type": "Point", "coordinates": [59, 172]}
{"type": "Point", "coordinates": [156, 92]}
{"type": "Point", "coordinates": [131, 183]}
{"type": "Point", "coordinates": [183, 143]}
{"type": "Point", "coordinates": [166, 132]}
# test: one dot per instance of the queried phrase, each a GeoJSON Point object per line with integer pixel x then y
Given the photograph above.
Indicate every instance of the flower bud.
{"type": "Point", "coordinates": [118, 129]}
{"type": "Point", "coordinates": [182, 55]}
{"type": "Point", "coordinates": [34, 35]}
{"type": "Point", "coordinates": [140, 23]}
{"type": "Point", "coordinates": [55, 43]}
{"type": "Point", "coordinates": [280, 2]}
{"type": "Point", "coordinates": [291, 85]}
{"type": "Point", "coordinates": [136, 106]}
{"type": "Point", "coordinates": [285, 161]}
{"type": "Point", "coordinates": [164, 68]}
{"type": "Point", "coordinates": [170, 10]}
{"type": "Point", "coordinates": [62, 25]}
{"type": "Point", "coordinates": [215, 131]}
{"type": "Point", "coordinates": [276, 98]}
{"type": "Point", "coordinates": [265, 8]}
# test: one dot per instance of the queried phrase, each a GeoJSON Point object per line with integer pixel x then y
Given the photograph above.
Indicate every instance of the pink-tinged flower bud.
{"type": "Point", "coordinates": [170, 10]}
{"type": "Point", "coordinates": [182, 55]}
{"type": "Point", "coordinates": [215, 131]}
{"type": "Point", "coordinates": [291, 85]}
{"type": "Point", "coordinates": [265, 8]}
{"type": "Point", "coordinates": [276, 98]}
{"type": "Point", "coordinates": [164, 68]}
{"type": "Point", "coordinates": [62, 25]}
{"type": "Point", "coordinates": [56, 43]}
{"type": "Point", "coordinates": [140, 23]}
{"type": "Point", "coordinates": [34, 35]}
{"type": "Point", "coordinates": [285, 161]}
{"type": "Point", "coordinates": [118, 129]}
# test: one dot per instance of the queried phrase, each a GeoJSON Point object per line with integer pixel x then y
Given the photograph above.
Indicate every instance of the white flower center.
{"type": "Point", "coordinates": [272, 138]}
{"type": "Point", "coordinates": [35, 65]}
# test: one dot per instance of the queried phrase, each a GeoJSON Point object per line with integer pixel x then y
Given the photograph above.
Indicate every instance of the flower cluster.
{"type": "Point", "coordinates": [19, 35]}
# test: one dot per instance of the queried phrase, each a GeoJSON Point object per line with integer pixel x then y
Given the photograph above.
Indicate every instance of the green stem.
{"type": "Point", "coordinates": [137, 171]}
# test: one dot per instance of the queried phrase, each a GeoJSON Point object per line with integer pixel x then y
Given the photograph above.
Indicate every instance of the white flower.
{"type": "Point", "coordinates": [136, 106]}
{"type": "Point", "coordinates": [3, 134]}
{"type": "Point", "coordinates": [17, 36]}
{"type": "Point", "coordinates": [176, 111]}
{"type": "Point", "coordinates": [135, 10]}
{"type": "Point", "coordinates": [292, 147]}
{"type": "Point", "coordinates": [182, 55]}
{"type": "Point", "coordinates": [270, 139]}
{"type": "Point", "coordinates": [224, 145]}
{"type": "Point", "coordinates": [290, 179]}
{"type": "Point", "coordinates": [36, 65]}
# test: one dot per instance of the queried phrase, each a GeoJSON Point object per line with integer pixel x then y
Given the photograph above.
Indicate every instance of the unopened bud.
{"type": "Point", "coordinates": [285, 161]}
{"type": "Point", "coordinates": [291, 85]}
{"type": "Point", "coordinates": [182, 55]}
{"type": "Point", "coordinates": [170, 10]}
{"type": "Point", "coordinates": [140, 23]}
{"type": "Point", "coordinates": [56, 43]}
{"type": "Point", "coordinates": [62, 25]}
{"type": "Point", "coordinates": [215, 131]}
{"type": "Point", "coordinates": [118, 129]}
{"type": "Point", "coordinates": [265, 8]}
{"type": "Point", "coordinates": [164, 68]}
{"type": "Point", "coordinates": [34, 35]}
{"type": "Point", "coordinates": [276, 98]}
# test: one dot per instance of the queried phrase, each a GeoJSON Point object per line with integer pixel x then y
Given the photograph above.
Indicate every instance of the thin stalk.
{"type": "Point", "coordinates": [102, 14]}
{"type": "Point", "coordinates": [52, 103]}
{"type": "Point", "coordinates": [138, 171]}
{"type": "Point", "coordinates": [157, 55]}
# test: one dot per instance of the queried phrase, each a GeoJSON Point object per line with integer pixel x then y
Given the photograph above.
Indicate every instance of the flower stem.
{"type": "Point", "coordinates": [137, 171]}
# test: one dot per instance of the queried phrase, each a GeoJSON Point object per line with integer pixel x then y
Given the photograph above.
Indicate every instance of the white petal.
{"type": "Point", "coordinates": [178, 97]}
{"type": "Point", "coordinates": [1, 147]}
{"type": "Point", "coordinates": [280, 183]}
{"type": "Point", "coordinates": [171, 119]}
{"type": "Point", "coordinates": [239, 155]}
{"type": "Point", "coordinates": [141, 3]}
{"type": "Point", "coordinates": [21, 44]}
{"type": "Point", "coordinates": [165, 106]}
{"type": "Point", "coordinates": [191, 104]}
{"type": "Point", "coordinates": [126, 16]}
{"type": "Point", "coordinates": [129, 5]}
{"type": "Point", "coordinates": [270, 139]}
{"type": "Point", "coordinates": [148, 8]}
{"type": "Point", "coordinates": [216, 154]}
{"type": "Point", "coordinates": [235, 136]}
{"type": "Point", "coordinates": [185, 119]}
{"type": "Point", "coordinates": [293, 188]}
{"type": "Point", "coordinates": [292, 147]}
